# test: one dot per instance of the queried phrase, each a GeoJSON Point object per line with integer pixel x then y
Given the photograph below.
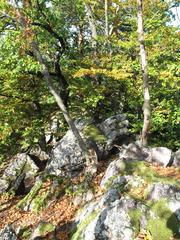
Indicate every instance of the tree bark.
{"type": "Point", "coordinates": [92, 25]}
{"type": "Point", "coordinates": [106, 18]}
{"type": "Point", "coordinates": [57, 97]}
{"type": "Point", "coordinates": [54, 91]}
{"type": "Point", "coordinates": [144, 66]}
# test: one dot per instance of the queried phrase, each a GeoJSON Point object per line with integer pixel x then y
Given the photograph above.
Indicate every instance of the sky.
{"type": "Point", "coordinates": [176, 22]}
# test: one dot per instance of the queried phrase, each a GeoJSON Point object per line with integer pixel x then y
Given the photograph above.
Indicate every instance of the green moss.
{"type": "Point", "coordinates": [45, 228]}
{"type": "Point", "coordinates": [164, 224]}
{"type": "Point", "coordinates": [149, 175]}
{"type": "Point", "coordinates": [120, 187]}
{"type": "Point", "coordinates": [94, 133]}
{"type": "Point", "coordinates": [40, 202]}
{"type": "Point", "coordinates": [135, 216]}
{"type": "Point", "coordinates": [79, 232]}
{"type": "Point", "coordinates": [25, 233]}
{"type": "Point", "coordinates": [30, 196]}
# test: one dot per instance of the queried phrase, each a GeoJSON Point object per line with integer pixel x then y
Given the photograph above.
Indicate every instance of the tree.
{"type": "Point", "coordinates": [144, 66]}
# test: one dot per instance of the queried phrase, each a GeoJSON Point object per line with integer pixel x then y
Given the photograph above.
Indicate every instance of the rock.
{"type": "Point", "coordinates": [176, 161]}
{"type": "Point", "coordinates": [36, 151]}
{"type": "Point", "coordinates": [67, 158]}
{"type": "Point", "coordinates": [111, 196]}
{"type": "Point", "coordinates": [8, 233]}
{"type": "Point", "coordinates": [22, 167]}
{"type": "Point", "coordinates": [112, 171]}
{"type": "Point", "coordinates": [161, 155]}
{"type": "Point", "coordinates": [43, 229]}
{"type": "Point", "coordinates": [110, 221]}
{"type": "Point", "coordinates": [78, 200]}
{"type": "Point", "coordinates": [170, 192]}
{"type": "Point", "coordinates": [89, 195]}
{"type": "Point", "coordinates": [30, 200]}
{"type": "Point", "coordinates": [108, 227]}
{"type": "Point", "coordinates": [115, 129]}
{"type": "Point", "coordinates": [134, 152]}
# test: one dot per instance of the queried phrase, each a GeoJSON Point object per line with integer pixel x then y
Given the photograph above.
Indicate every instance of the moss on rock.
{"type": "Point", "coordinates": [140, 168]}
{"type": "Point", "coordinates": [91, 131]}
{"type": "Point", "coordinates": [26, 201]}
{"type": "Point", "coordinates": [78, 235]}
{"type": "Point", "coordinates": [135, 216]}
{"type": "Point", "coordinates": [163, 224]}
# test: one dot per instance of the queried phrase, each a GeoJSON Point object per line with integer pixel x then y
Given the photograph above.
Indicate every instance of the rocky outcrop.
{"type": "Point", "coordinates": [176, 161]}
{"type": "Point", "coordinates": [130, 203]}
{"type": "Point", "coordinates": [20, 169]}
{"type": "Point", "coordinates": [159, 155]}
{"type": "Point", "coordinates": [67, 158]}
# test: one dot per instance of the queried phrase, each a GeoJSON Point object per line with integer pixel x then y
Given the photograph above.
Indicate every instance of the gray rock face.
{"type": "Point", "coordinates": [19, 169]}
{"type": "Point", "coordinates": [176, 161]}
{"type": "Point", "coordinates": [111, 196]}
{"type": "Point", "coordinates": [8, 233]}
{"type": "Point", "coordinates": [160, 155]}
{"type": "Point", "coordinates": [134, 152]}
{"type": "Point", "coordinates": [113, 170]}
{"type": "Point", "coordinates": [160, 190]}
{"type": "Point", "coordinates": [108, 221]}
{"type": "Point", "coordinates": [36, 150]}
{"type": "Point", "coordinates": [67, 158]}
{"type": "Point", "coordinates": [109, 228]}
{"type": "Point", "coordinates": [114, 128]}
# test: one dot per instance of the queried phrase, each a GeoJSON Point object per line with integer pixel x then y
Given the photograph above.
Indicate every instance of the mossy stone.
{"type": "Point", "coordinates": [78, 235]}
{"type": "Point", "coordinates": [92, 132]}
{"type": "Point", "coordinates": [164, 224]}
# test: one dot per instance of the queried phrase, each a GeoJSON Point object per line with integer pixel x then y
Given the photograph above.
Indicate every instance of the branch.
{"type": "Point", "coordinates": [48, 28]}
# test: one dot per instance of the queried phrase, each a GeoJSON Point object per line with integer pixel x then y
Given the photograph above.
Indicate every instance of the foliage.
{"type": "Point", "coordinates": [96, 88]}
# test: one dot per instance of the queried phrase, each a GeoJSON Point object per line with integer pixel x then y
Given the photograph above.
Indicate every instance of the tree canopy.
{"type": "Point", "coordinates": [91, 51]}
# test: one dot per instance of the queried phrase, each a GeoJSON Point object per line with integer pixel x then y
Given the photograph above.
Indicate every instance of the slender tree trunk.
{"type": "Point", "coordinates": [58, 98]}
{"type": "Point", "coordinates": [144, 65]}
{"type": "Point", "coordinates": [92, 25]}
{"type": "Point", "coordinates": [80, 40]}
{"type": "Point", "coordinates": [64, 93]}
{"type": "Point", "coordinates": [106, 18]}
{"type": "Point", "coordinates": [54, 91]}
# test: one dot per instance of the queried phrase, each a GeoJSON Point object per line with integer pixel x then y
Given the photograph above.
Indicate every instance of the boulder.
{"type": "Point", "coordinates": [134, 152]}
{"type": "Point", "coordinates": [110, 196]}
{"type": "Point", "coordinates": [8, 233]}
{"type": "Point", "coordinates": [21, 168]}
{"type": "Point", "coordinates": [161, 190]}
{"type": "Point", "coordinates": [106, 221]}
{"type": "Point", "coordinates": [112, 171]}
{"type": "Point", "coordinates": [176, 161]}
{"type": "Point", "coordinates": [67, 158]}
{"type": "Point", "coordinates": [161, 155]}
{"type": "Point", "coordinates": [35, 150]}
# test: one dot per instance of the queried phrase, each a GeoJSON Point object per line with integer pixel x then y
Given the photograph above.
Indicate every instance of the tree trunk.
{"type": "Point", "coordinates": [106, 18]}
{"type": "Point", "coordinates": [53, 90]}
{"type": "Point", "coordinates": [92, 25]}
{"type": "Point", "coordinates": [80, 39]}
{"type": "Point", "coordinates": [144, 65]}
{"type": "Point", "coordinates": [58, 99]}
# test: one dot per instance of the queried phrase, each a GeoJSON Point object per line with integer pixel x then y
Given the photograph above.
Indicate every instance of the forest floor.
{"type": "Point", "coordinates": [61, 212]}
